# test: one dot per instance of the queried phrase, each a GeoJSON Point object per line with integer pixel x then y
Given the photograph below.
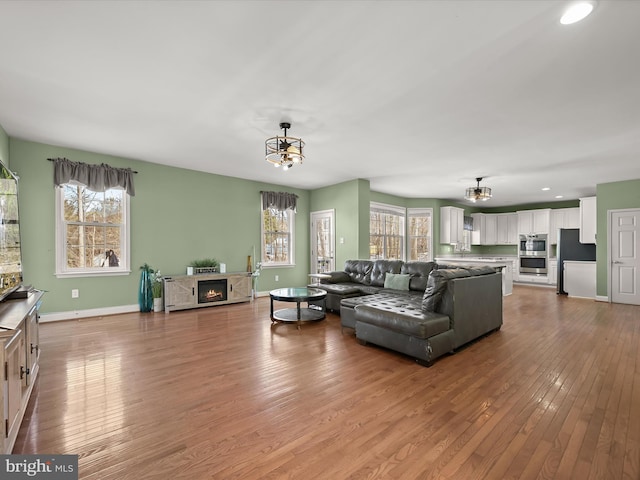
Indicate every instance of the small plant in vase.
{"type": "Point", "coordinates": [156, 290]}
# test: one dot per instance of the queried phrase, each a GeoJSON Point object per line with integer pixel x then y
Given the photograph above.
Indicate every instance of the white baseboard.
{"type": "Point", "coordinates": [92, 312]}
{"type": "Point", "coordinates": [602, 298]}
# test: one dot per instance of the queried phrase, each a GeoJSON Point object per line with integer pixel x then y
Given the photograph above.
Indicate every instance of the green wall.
{"type": "Point", "coordinates": [611, 196]}
{"type": "Point", "coordinates": [4, 147]}
{"type": "Point", "coordinates": [350, 201]}
{"type": "Point", "coordinates": [177, 216]}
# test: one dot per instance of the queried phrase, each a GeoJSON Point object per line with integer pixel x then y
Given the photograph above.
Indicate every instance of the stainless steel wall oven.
{"type": "Point", "coordinates": [533, 254]}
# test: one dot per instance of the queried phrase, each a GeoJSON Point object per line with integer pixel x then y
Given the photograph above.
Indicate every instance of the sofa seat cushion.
{"type": "Point", "coordinates": [340, 288]}
{"type": "Point", "coordinates": [385, 297]}
{"type": "Point", "coordinates": [407, 320]}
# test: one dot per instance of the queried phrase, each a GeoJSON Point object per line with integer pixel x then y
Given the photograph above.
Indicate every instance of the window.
{"type": "Point", "coordinates": [277, 237]}
{"type": "Point", "coordinates": [420, 246]}
{"type": "Point", "coordinates": [92, 231]}
{"type": "Point", "coordinates": [386, 232]}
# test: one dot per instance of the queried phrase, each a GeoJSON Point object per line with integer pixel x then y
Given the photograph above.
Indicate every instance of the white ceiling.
{"type": "Point", "coordinates": [419, 97]}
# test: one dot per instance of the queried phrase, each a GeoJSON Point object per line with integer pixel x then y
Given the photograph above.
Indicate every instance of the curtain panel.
{"type": "Point", "coordinates": [279, 200]}
{"type": "Point", "coordinates": [96, 177]}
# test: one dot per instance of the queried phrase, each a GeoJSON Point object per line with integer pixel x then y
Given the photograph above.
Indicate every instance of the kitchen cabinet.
{"type": "Point", "coordinates": [507, 229]}
{"type": "Point", "coordinates": [553, 272]}
{"type": "Point", "coordinates": [451, 225]}
{"type": "Point", "coordinates": [588, 220]}
{"type": "Point", "coordinates": [534, 221]}
{"type": "Point", "coordinates": [580, 279]}
{"type": "Point", "coordinates": [494, 229]}
{"type": "Point", "coordinates": [563, 218]}
{"type": "Point", "coordinates": [19, 354]}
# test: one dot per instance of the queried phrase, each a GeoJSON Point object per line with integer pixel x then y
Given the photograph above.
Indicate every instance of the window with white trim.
{"type": "Point", "coordinates": [277, 237]}
{"type": "Point", "coordinates": [92, 231]}
{"type": "Point", "coordinates": [386, 231]}
{"type": "Point", "coordinates": [420, 234]}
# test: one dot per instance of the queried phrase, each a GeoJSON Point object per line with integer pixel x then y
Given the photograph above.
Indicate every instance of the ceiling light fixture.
{"type": "Point", "coordinates": [284, 151]}
{"type": "Point", "coordinates": [473, 194]}
{"type": "Point", "coordinates": [576, 12]}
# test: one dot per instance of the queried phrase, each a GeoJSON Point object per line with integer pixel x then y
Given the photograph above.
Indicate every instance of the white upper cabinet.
{"type": "Point", "coordinates": [507, 228]}
{"type": "Point", "coordinates": [534, 221]}
{"type": "Point", "coordinates": [489, 230]}
{"type": "Point", "coordinates": [451, 225]}
{"type": "Point", "coordinates": [563, 218]}
{"type": "Point", "coordinates": [588, 217]}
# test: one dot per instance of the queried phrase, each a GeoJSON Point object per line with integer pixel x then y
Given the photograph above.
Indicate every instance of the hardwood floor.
{"type": "Point", "coordinates": [219, 393]}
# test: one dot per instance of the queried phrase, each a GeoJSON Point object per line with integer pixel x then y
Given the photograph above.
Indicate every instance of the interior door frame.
{"type": "Point", "coordinates": [313, 260]}
{"type": "Point", "coordinates": [609, 249]}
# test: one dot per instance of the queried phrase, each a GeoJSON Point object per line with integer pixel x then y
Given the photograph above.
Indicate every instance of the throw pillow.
{"type": "Point", "coordinates": [397, 281]}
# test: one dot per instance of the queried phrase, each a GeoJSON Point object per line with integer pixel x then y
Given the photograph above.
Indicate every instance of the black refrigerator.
{"type": "Point", "coordinates": [570, 248]}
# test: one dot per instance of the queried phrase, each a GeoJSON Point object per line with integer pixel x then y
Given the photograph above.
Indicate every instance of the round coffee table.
{"type": "Point", "coordinates": [315, 309]}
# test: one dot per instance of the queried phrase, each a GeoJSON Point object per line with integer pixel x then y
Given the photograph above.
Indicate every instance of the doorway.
{"type": "Point", "coordinates": [323, 241]}
{"type": "Point", "coordinates": [624, 259]}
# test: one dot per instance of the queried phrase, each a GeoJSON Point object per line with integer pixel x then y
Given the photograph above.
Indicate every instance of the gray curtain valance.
{"type": "Point", "coordinates": [279, 200]}
{"type": "Point", "coordinates": [96, 177]}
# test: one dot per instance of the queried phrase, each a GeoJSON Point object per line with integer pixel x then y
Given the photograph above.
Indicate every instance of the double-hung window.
{"type": "Point", "coordinates": [419, 232]}
{"type": "Point", "coordinates": [386, 232]}
{"type": "Point", "coordinates": [92, 231]}
{"type": "Point", "coordinates": [278, 226]}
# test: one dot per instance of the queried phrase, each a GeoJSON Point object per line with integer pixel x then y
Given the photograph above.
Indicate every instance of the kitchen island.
{"type": "Point", "coordinates": [505, 265]}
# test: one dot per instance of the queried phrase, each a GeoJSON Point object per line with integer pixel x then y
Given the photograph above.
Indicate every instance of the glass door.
{"type": "Point", "coordinates": [323, 242]}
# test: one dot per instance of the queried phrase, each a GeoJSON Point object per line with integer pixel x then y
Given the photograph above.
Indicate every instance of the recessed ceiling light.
{"type": "Point", "coordinates": [559, 196]}
{"type": "Point", "coordinates": [576, 12]}
{"type": "Point", "coordinates": [545, 189]}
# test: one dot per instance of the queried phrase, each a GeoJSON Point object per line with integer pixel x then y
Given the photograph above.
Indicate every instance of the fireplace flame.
{"type": "Point", "coordinates": [212, 294]}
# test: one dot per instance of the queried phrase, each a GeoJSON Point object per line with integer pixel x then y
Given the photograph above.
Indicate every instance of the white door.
{"type": "Point", "coordinates": [624, 244]}
{"type": "Point", "coordinates": [323, 242]}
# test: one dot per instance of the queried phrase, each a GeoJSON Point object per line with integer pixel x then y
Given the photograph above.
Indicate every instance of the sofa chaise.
{"type": "Point", "coordinates": [421, 309]}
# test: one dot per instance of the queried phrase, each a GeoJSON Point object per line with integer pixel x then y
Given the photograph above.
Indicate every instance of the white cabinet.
{"type": "Point", "coordinates": [451, 225]}
{"type": "Point", "coordinates": [19, 354]}
{"type": "Point", "coordinates": [489, 231]}
{"type": "Point", "coordinates": [563, 218]}
{"type": "Point", "coordinates": [580, 279]}
{"type": "Point", "coordinates": [588, 220]}
{"type": "Point", "coordinates": [476, 236]}
{"type": "Point", "coordinates": [553, 272]}
{"type": "Point", "coordinates": [534, 221]}
{"type": "Point", "coordinates": [494, 229]}
{"type": "Point", "coordinates": [507, 229]}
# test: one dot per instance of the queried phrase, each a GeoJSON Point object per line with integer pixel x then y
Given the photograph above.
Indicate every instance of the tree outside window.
{"type": "Point", "coordinates": [386, 232]}
{"type": "Point", "coordinates": [92, 230]}
{"type": "Point", "coordinates": [277, 236]}
{"type": "Point", "coordinates": [420, 234]}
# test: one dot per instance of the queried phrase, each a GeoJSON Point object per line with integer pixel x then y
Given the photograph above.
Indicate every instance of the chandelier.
{"type": "Point", "coordinates": [476, 193]}
{"type": "Point", "coordinates": [284, 151]}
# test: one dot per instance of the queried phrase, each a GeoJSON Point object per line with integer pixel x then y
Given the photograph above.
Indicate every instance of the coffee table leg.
{"type": "Point", "coordinates": [298, 312]}
{"type": "Point", "coordinates": [272, 319]}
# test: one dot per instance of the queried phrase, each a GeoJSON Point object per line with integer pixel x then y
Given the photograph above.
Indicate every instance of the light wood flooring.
{"type": "Point", "coordinates": [219, 393]}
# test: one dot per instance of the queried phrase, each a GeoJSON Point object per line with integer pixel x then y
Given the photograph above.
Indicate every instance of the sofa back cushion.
{"type": "Point", "coordinates": [437, 284]}
{"type": "Point", "coordinates": [359, 271]}
{"type": "Point", "coordinates": [419, 272]}
{"type": "Point", "coordinates": [381, 268]}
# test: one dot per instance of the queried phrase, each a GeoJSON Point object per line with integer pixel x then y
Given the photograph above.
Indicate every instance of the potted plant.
{"type": "Point", "coordinates": [156, 290]}
{"type": "Point", "coordinates": [206, 265]}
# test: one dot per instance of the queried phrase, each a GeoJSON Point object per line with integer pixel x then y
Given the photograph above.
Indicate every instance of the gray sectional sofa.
{"type": "Point", "coordinates": [421, 309]}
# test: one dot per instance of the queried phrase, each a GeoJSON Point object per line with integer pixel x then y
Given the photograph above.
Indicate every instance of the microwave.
{"type": "Point", "coordinates": [533, 245]}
